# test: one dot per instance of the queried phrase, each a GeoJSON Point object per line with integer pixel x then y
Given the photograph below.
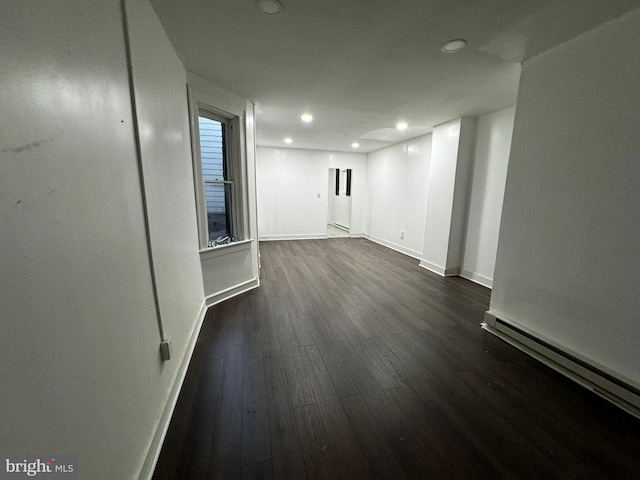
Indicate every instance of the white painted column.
{"type": "Point", "coordinates": [449, 176]}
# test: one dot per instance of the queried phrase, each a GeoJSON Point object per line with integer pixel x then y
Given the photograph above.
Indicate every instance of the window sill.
{"type": "Point", "coordinates": [226, 249]}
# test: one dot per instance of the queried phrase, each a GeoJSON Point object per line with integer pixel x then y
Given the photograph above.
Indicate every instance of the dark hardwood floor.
{"type": "Point", "coordinates": [350, 361]}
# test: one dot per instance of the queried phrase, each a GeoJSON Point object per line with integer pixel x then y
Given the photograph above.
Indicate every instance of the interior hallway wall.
{"type": "Point", "coordinates": [490, 161]}
{"type": "Point", "coordinates": [395, 181]}
{"type": "Point", "coordinates": [288, 184]}
{"type": "Point", "coordinates": [397, 187]}
{"type": "Point", "coordinates": [448, 197]}
{"type": "Point", "coordinates": [568, 267]}
{"type": "Point", "coordinates": [79, 350]}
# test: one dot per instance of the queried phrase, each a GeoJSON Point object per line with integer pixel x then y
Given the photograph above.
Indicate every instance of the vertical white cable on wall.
{"type": "Point", "coordinates": [136, 134]}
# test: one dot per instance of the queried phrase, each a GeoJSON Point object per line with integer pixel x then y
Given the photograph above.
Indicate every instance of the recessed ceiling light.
{"type": "Point", "coordinates": [355, 145]}
{"type": "Point", "coordinates": [454, 46]}
{"type": "Point", "coordinates": [306, 117]}
{"type": "Point", "coordinates": [288, 140]}
{"type": "Point", "coordinates": [401, 126]}
{"type": "Point", "coordinates": [270, 7]}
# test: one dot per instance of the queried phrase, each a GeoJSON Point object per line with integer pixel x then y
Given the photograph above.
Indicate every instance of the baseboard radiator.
{"type": "Point", "coordinates": [616, 391]}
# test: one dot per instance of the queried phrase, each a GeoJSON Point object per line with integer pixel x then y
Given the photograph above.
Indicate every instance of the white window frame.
{"type": "Point", "coordinates": [234, 132]}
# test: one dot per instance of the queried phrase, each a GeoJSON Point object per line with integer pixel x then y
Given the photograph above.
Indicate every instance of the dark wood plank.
{"type": "Point", "coordinates": [400, 372]}
{"type": "Point", "coordinates": [319, 457]}
{"type": "Point", "coordinates": [342, 382]}
{"type": "Point", "coordinates": [488, 430]}
{"type": "Point", "coordinates": [399, 434]}
{"type": "Point", "coordinates": [270, 337]}
{"type": "Point", "coordinates": [350, 361]}
{"type": "Point", "coordinates": [256, 444]}
{"type": "Point", "coordinates": [198, 441]}
{"type": "Point", "coordinates": [286, 453]}
{"type": "Point", "coordinates": [258, 471]}
{"type": "Point", "coordinates": [225, 459]}
{"type": "Point", "coordinates": [379, 371]}
{"type": "Point", "coordinates": [300, 328]}
{"type": "Point", "coordinates": [298, 381]}
{"type": "Point", "coordinates": [350, 460]}
{"type": "Point", "coordinates": [382, 462]}
{"type": "Point", "coordinates": [449, 450]}
{"type": "Point", "coordinates": [172, 448]}
{"type": "Point", "coordinates": [407, 357]}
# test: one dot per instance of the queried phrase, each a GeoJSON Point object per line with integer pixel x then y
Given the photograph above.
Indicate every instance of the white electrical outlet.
{"type": "Point", "coordinates": [401, 234]}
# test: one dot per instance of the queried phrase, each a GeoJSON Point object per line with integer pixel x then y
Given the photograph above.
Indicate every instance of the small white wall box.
{"type": "Point", "coordinates": [165, 349]}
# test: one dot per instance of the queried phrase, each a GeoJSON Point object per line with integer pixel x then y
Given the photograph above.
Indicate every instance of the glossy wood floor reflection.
{"type": "Point", "coordinates": [351, 362]}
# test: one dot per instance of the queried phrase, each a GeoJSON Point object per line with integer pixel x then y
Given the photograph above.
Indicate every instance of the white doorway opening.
{"type": "Point", "coordinates": [339, 203]}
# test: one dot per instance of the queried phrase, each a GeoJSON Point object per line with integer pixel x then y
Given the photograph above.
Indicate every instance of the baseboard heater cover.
{"type": "Point", "coordinates": [616, 391]}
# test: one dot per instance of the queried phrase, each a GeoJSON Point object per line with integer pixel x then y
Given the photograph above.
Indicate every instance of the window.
{"type": "Point", "coordinates": [216, 168]}
{"type": "Point", "coordinates": [219, 121]}
{"type": "Point", "coordinates": [217, 182]}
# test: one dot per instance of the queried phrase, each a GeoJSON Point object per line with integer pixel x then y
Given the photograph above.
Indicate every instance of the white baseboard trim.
{"type": "Point", "coordinates": [357, 235]}
{"type": "Point", "coordinates": [432, 267]}
{"type": "Point", "coordinates": [227, 293]}
{"type": "Point", "coordinates": [621, 392]}
{"type": "Point", "coordinates": [393, 246]}
{"type": "Point", "coordinates": [477, 278]}
{"type": "Point", "coordinates": [153, 452]}
{"type": "Point", "coordinates": [489, 319]}
{"type": "Point", "coordinates": [293, 236]}
{"type": "Point", "coordinates": [443, 272]}
{"type": "Point", "coordinates": [452, 272]}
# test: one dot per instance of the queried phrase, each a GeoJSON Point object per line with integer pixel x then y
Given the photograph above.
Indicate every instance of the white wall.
{"type": "Point", "coordinates": [159, 80]}
{"type": "Point", "coordinates": [568, 267]}
{"type": "Point", "coordinates": [491, 157]}
{"type": "Point", "coordinates": [288, 183]}
{"type": "Point", "coordinates": [396, 182]}
{"type": "Point", "coordinates": [447, 201]}
{"type": "Point", "coordinates": [79, 350]}
{"type": "Point", "coordinates": [397, 185]}
{"type": "Point", "coordinates": [462, 187]}
{"type": "Point", "coordinates": [162, 114]}
{"type": "Point", "coordinates": [230, 269]}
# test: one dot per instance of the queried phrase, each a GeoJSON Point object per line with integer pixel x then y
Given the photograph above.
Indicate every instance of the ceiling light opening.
{"type": "Point", "coordinates": [270, 7]}
{"type": "Point", "coordinates": [454, 46]}
{"type": "Point", "coordinates": [401, 126]}
{"type": "Point", "coordinates": [288, 140]}
{"type": "Point", "coordinates": [306, 117]}
{"type": "Point", "coordinates": [355, 145]}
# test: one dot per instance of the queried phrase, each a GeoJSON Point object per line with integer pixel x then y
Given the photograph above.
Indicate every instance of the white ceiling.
{"type": "Point", "coordinates": [360, 66]}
